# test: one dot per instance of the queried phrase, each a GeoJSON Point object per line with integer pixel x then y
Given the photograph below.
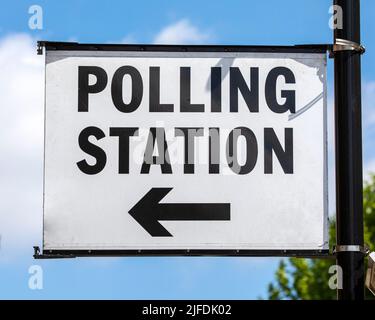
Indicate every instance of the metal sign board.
{"type": "Point", "coordinates": [185, 149]}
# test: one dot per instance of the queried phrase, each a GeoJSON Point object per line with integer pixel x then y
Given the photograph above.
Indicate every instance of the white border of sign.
{"type": "Point", "coordinates": [111, 50]}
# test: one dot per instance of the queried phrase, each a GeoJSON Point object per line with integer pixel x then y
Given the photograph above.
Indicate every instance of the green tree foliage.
{"type": "Point", "coordinates": [308, 279]}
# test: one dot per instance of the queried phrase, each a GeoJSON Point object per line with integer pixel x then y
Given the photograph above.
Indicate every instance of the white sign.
{"type": "Point", "coordinates": [148, 150]}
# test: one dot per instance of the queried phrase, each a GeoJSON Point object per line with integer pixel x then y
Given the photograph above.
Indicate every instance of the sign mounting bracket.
{"type": "Point", "coordinates": [346, 45]}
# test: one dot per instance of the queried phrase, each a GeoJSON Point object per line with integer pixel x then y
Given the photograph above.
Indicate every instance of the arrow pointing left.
{"type": "Point", "coordinates": [149, 211]}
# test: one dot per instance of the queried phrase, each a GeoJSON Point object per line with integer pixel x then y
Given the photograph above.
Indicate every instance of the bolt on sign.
{"type": "Point", "coordinates": [176, 149]}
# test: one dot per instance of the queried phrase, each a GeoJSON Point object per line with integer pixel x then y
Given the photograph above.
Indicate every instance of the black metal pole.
{"type": "Point", "coordinates": [349, 203]}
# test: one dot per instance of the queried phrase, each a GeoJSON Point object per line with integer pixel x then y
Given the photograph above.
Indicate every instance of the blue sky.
{"type": "Point", "coordinates": [21, 135]}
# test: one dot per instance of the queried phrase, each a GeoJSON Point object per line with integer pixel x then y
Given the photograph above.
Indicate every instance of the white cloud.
{"type": "Point", "coordinates": [369, 168]}
{"type": "Point", "coordinates": [368, 102]}
{"type": "Point", "coordinates": [128, 39]}
{"type": "Point", "coordinates": [21, 142]}
{"type": "Point", "coordinates": [368, 116]}
{"type": "Point", "coordinates": [368, 106]}
{"type": "Point", "coordinates": [181, 32]}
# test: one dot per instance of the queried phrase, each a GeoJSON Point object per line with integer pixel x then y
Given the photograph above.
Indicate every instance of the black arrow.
{"type": "Point", "coordinates": [148, 212]}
